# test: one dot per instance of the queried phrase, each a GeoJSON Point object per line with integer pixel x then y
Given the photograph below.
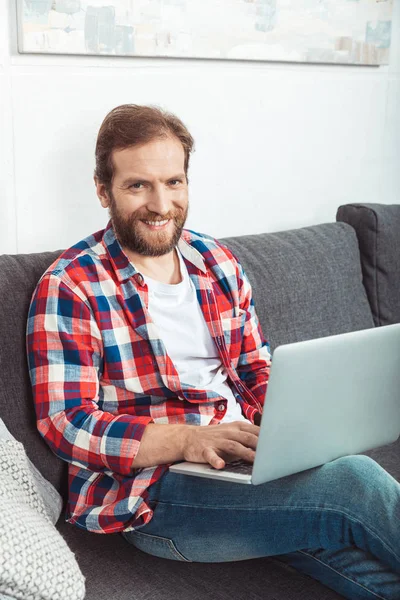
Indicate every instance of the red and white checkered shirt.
{"type": "Point", "coordinates": [100, 372]}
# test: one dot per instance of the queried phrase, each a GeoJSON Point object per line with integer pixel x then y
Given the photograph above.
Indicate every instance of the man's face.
{"type": "Point", "coordinates": [148, 201]}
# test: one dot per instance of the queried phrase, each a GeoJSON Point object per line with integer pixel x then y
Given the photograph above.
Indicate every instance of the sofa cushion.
{"type": "Point", "coordinates": [307, 283]}
{"type": "Point", "coordinates": [130, 574]}
{"type": "Point", "coordinates": [19, 275]}
{"type": "Point", "coordinates": [378, 230]}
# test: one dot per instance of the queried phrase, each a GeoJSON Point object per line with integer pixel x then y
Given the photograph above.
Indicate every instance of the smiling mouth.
{"type": "Point", "coordinates": [157, 224]}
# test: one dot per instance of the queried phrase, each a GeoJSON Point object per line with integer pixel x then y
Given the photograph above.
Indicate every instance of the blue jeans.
{"type": "Point", "coordinates": [338, 523]}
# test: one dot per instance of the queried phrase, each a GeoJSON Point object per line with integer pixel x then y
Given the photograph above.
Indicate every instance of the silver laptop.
{"type": "Point", "coordinates": [326, 398]}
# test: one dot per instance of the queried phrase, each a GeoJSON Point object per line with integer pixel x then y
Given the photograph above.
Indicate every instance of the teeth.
{"type": "Point", "coordinates": [157, 223]}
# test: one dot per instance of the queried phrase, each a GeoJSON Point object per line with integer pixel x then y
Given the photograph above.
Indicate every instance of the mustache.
{"type": "Point", "coordinates": [152, 216]}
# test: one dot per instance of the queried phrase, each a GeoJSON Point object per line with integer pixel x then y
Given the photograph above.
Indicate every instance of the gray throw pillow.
{"type": "Point", "coordinates": [36, 562]}
{"type": "Point", "coordinates": [51, 498]}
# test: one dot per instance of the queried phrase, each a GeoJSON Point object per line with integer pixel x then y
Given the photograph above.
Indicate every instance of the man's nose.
{"type": "Point", "coordinates": [159, 201]}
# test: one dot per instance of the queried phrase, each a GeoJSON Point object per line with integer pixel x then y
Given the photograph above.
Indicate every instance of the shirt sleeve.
{"type": "Point", "coordinates": [64, 349]}
{"type": "Point", "coordinates": [255, 358]}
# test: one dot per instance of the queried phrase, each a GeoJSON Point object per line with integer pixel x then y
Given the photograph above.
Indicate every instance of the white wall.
{"type": "Point", "coordinates": [278, 145]}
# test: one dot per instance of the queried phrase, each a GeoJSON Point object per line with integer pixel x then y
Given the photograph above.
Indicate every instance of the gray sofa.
{"type": "Point", "coordinates": [308, 283]}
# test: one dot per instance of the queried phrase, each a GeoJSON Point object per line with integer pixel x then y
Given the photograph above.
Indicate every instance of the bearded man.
{"type": "Point", "coordinates": [144, 349]}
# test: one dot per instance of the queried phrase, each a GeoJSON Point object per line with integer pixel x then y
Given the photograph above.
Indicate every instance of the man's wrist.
{"type": "Point", "coordinates": [185, 435]}
{"type": "Point", "coordinates": [162, 444]}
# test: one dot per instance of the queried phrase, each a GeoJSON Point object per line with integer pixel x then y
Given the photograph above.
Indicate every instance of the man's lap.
{"type": "Point", "coordinates": [198, 516]}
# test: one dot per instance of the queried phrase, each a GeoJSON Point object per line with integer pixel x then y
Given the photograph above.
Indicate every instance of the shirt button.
{"type": "Point", "coordinates": [140, 279]}
{"type": "Point", "coordinates": [221, 407]}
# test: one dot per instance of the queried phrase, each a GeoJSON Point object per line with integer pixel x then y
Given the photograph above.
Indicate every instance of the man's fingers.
{"type": "Point", "coordinates": [213, 459]}
{"type": "Point", "coordinates": [217, 444]}
{"type": "Point", "coordinates": [250, 440]}
{"type": "Point", "coordinates": [236, 450]}
{"type": "Point", "coordinates": [244, 426]}
{"type": "Point", "coordinates": [247, 439]}
{"type": "Point", "coordinates": [240, 427]}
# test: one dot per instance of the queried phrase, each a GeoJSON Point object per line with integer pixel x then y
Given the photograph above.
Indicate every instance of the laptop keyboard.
{"type": "Point", "coordinates": [239, 466]}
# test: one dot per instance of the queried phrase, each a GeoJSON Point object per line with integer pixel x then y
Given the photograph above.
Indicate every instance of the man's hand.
{"type": "Point", "coordinates": [218, 444]}
{"type": "Point", "coordinates": [213, 444]}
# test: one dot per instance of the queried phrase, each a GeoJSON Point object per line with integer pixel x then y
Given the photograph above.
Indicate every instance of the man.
{"type": "Point", "coordinates": [144, 348]}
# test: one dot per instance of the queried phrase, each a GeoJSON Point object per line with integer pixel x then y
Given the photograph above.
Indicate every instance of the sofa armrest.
{"type": "Point", "coordinates": [378, 231]}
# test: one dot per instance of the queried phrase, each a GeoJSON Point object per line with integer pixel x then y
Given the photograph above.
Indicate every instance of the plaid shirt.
{"type": "Point", "coordinates": [100, 372]}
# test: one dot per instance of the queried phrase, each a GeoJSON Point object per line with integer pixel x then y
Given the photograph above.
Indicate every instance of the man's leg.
{"type": "Point", "coordinates": [339, 523]}
{"type": "Point", "coordinates": [347, 571]}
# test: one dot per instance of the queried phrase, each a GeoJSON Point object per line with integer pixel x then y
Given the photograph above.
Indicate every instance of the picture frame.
{"type": "Point", "coordinates": [354, 32]}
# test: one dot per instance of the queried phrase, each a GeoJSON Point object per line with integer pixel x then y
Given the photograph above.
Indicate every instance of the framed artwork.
{"type": "Point", "coordinates": [312, 31]}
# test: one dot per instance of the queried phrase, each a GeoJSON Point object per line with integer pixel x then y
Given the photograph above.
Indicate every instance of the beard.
{"type": "Point", "coordinates": [132, 235]}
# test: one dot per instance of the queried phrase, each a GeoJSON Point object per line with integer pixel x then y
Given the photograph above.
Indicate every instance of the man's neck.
{"type": "Point", "coordinates": [164, 268]}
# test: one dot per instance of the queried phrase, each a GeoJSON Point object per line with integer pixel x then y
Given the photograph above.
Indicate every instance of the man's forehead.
{"type": "Point", "coordinates": [163, 154]}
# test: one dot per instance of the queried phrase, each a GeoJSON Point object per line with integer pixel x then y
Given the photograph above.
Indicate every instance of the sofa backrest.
{"type": "Point", "coordinates": [306, 282]}
{"type": "Point", "coordinates": [378, 231]}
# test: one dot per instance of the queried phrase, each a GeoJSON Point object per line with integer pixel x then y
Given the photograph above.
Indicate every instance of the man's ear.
{"type": "Point", "coordinates": [102, 193]}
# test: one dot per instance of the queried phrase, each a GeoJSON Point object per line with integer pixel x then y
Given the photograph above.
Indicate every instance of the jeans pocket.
{"type": "Point", "coordinates": [155, 545]}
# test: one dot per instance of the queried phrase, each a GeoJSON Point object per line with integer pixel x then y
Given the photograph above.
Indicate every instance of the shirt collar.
{"type": "Point", "coordinates": [190, 253]}
{"type": "Point", "coordinates": [125, 269]}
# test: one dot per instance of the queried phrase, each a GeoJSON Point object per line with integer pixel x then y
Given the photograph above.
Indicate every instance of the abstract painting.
{"type": "Point", "coordinates": [316, 31]}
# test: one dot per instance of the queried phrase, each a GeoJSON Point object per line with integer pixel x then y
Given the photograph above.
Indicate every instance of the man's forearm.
{"type": "Point", "coordinates": [161, 444]}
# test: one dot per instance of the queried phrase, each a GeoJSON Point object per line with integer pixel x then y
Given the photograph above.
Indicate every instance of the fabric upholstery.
{"type": "Point", "coordinates": [19, 275]}
{"type": "Point", "coordinates": [378, 230]}
{"type": "Point", "coordinates": [140, 576]}
{"type": "Point", "coordinates": [307, 283]}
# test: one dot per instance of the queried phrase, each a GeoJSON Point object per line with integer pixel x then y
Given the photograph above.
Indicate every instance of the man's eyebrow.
{"type": "Point", "coordinates": [131, 180]}
{"type": "Point", "coordinates": [179, 176]}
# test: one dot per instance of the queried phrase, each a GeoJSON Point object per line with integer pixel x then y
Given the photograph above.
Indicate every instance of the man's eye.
{"type": "Point", "coordinates": [175, 181]}
{"type": "Point", "coordinates": [136, 185]}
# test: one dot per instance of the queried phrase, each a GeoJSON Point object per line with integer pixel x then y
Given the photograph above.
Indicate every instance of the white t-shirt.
{"type": "Point", "coordinates": [177, 314]}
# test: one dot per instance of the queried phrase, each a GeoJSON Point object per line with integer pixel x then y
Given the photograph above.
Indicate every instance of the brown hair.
{"type": "Point", "coordinates": [128, 125]}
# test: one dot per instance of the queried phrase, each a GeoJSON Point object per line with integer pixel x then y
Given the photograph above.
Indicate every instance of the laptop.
{"type": "Point", "coordinates": [326, 398]}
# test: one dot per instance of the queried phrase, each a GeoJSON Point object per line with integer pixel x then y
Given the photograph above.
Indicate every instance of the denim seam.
{"type": "Point", "coordinates": [342, 574]}
{"type": "Point", "coordinates": [158, 538]}
{"type": "Point", "coordinates": [334, 510]}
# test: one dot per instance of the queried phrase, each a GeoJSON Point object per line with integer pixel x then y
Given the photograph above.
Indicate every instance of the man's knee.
{"type": "Point", "coordinates": [360, 473]}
